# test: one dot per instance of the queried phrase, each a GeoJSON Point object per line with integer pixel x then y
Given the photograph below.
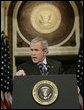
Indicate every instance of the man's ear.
{"type": "Point", "coordinates": [45, 51]}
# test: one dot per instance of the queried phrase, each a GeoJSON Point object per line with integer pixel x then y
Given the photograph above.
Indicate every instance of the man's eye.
{"type": "Point", "coordinates": [31, 49]}
{"type": "Point", "coordinates": [36, 50]}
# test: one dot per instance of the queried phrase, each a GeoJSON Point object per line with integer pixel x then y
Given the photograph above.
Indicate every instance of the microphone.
{"type": "Point", "coordinates": [48, 67]}
{"type": "Point", "coordinates": [40, 68]}
{"type": "Point", "coordinates": [45, 70]}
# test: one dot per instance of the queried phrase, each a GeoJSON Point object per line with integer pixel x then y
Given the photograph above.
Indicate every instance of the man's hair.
{"type": "Point", "coordinates": [44, 42]}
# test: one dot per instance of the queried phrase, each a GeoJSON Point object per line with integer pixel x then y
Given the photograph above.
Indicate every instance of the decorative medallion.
{"type": "Point", "coordinates": [45, 18]}
{"type": "Point", "coordinates": [45, 92]}
{"type": "Point", "coordinates": [52, 20]}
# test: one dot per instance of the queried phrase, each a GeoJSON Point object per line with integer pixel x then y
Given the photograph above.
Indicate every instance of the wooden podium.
{"type": "Point", "coordinates": [67, 92]}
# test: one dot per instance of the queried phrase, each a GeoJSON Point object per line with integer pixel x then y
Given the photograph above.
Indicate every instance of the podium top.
{"type": "Point", "coordinates": [67, 92]}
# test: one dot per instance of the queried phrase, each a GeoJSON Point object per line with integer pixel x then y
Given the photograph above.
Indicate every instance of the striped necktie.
{"type": "Point", "coordinates": [44, 71]}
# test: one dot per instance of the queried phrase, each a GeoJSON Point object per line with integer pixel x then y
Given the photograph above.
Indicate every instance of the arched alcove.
{"type": "Point", "coordinates": [19, 43]}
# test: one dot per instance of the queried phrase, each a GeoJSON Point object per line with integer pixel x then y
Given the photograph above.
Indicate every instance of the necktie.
{"type": "Point", "coordinates": [44, 70]}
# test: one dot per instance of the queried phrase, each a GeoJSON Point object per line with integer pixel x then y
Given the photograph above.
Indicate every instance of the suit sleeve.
{"type": "Point", "coordinates": [20, 67]}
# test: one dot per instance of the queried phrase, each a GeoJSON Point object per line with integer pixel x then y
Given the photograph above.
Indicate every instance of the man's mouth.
{"type": "Point", "coordinates": [34, 58]}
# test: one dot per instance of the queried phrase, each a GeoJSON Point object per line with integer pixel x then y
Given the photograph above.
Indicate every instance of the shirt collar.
{"type": "Point", "coordinates": [44, 61]}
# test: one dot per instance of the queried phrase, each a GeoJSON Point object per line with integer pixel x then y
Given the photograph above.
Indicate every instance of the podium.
{"type": "Point", "coordinates": [67, 92]}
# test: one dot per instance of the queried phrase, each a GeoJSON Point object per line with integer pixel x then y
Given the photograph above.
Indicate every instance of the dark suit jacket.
{"type": "Point", "coordinates": [55, 67]}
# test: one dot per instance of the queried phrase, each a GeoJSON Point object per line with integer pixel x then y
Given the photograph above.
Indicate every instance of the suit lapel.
{"type": "Point", "coordinates": [36, 69]}
{"type": "Point", "coordinates": [51, 67]}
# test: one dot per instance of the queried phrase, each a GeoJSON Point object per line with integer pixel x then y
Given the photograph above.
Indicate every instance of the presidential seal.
{"type": "Point", "coordinates": [45, 92]}
{"type": "Point", "coordinates": [45, 18]}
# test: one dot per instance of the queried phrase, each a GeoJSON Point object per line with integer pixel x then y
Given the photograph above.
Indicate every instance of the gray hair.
{"type": "Point", "coordinates": [44, 42]}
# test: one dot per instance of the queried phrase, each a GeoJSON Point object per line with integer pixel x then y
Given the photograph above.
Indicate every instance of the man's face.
{"type": "Point", "coordinates": [37, 54]}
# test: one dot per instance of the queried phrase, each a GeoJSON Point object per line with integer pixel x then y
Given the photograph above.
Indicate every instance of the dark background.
{"type": "Point", "coordinates": [68, 62]}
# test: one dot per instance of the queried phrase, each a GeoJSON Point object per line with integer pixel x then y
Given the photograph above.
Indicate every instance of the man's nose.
{"type": "Point", "coordinates": [33, 52]}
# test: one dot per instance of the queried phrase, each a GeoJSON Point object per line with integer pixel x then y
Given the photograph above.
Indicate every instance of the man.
{"type": "Point", "coordinates": [38, 52]}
